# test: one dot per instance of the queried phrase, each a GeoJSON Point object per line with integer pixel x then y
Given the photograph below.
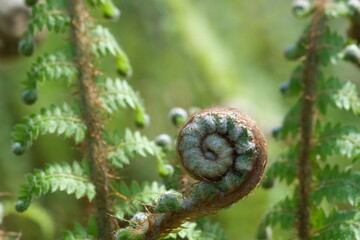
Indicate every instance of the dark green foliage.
{"type": "Point", "coordinates": [134, 197]}
{"type": "Point", "coordinates": [330, 184]}
{"type": "Point", "coordinates": [339, 224]}
{"type": "Point", "coordinates": [31, 2]}
{"type": "Point", "coordinates": [50, 15]}
{"type": "Point", "coordinates": [73, 179]}
{"type": "Point", "coordinates": [283, 213]}
{"type": "Point", "coordinates": [338, 140]}
{"type": "Point", "coordinates": [117, 94]}
{"type": "Point", "coordinates": [62, 121]}
{"type": "Point", "coordinates": [334, 185]}
{"type": "Point", "coordinates": [51, 67]}
{"type": "Point", "coordinates": [79, 232]}
{"type": "Point", "coordinates": [129, 146]}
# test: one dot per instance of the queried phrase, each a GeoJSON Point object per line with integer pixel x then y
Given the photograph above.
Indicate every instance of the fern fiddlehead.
{"type": "Point", "coordinates": [225, 150]}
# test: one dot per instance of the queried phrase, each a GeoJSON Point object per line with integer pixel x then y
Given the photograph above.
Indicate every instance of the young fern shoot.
{"type": "Point", "coordinates": [313, 136]}
{"type": "Point", "coordinates": [226, 152]}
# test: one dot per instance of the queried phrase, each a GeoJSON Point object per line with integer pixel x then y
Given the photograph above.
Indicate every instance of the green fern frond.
{"type": "Point", "coordinates": [344, 225]}
{"type": "Point", "coordinates": [343, 95]}
{"type": "Point", "coordinates": [332, 45]}
{"type": "Point", "coordinates": [335, 185]}
{"type": "Point", "coordinates": [116, 94]}
{"type": "Point", "coordinates": [294, 84]}
{"type": "Point", "coordinates": [131, 145]}
{"type": "Point", "coordinates": [50, 15]}
{"type": "Point", "coordinates": [51, 67]}
{"type": "Point", "coordinates": [282, 213]}
{"type": "Point", "coordinates": [132, 198]}
{"type": "Point", "coordinates": [57, 120]}
{"type": "Point", "coordinates": [57, 177]}
{"type": "Point", "coordinates": [291, 123]}
{"type": "Point", "coordinates": [283, 170]}
{"type": "Point", "coordinates": [187, 230]}
{"type": "Point", "coordinates": [338, 140]}
{"type": "Point", "coordinates": [81, 233]}
{"type": "Point", "coordinates": [210, 231]}
{"type": "Point", "coordinates": [103, 42]}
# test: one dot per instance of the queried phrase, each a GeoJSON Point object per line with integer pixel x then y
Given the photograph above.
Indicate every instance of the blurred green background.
{"type": "Point", "coordinates": [185, 53]}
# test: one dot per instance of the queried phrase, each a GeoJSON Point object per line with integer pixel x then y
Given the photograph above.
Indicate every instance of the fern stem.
{"type": "Point", "coordinates": [93, 143]}
{"type": "Point", "coordinates": [311, 71]}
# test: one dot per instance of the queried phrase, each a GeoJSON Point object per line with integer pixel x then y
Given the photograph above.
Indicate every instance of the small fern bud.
{"type": "Point", "coordinates": [109, 10]}
{"type": "Point", "coordinates": [292, 53]}
{"type": "Point", "coordinates": [139, 217]}
{"type": "Point", "coordinates": [27, 46]}
{"type": "Point", "coordinates": [18, 149]}
{"type": "Point", "coordinates": [267, 183]}
{"type": "Point", "coordinates": [284, 87]}
{"type": "Point", "coordinates": [168, 202]}
{"type": "Point", "coordinates": [123, 66]}
{"type": "Point", "coordinates": [29, 96]}
{"type": "Point", "coordinates": [178, 116]}
{"type": "Point", "coordinates": [31, 3]}
{"type": "Point", "coordinates": [164, 141]}
{"type": "Point", "coordinates": [351, 53]}
{"type": "Point", "coordinates": [143, 121]}
{"type": "Point", "coordinates": [264, 233]}
{"type": "Point", "coordinates": [301, 8]}
{"type": "Point", "coordinates": [21, 206]}
{"type": "Point", "coordinates": [275, 132]}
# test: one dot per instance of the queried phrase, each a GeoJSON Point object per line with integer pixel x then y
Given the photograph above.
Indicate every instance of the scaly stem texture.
{"type": "Point", "coordinates": [93, 144]}
{"type": "Point", "coordinates": [311, 70]}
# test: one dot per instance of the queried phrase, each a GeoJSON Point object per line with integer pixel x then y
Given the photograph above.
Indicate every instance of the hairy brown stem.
{"type": "Point", "coordinates": [311, 70]}
{"type": "Point", "coordinates": [93, 143]}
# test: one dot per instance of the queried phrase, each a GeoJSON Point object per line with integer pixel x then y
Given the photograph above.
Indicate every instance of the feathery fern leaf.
{"type": "Point", "coordinates": [116, 94]}
{"type": "Point", "coordinates": [57, 177]}
{"type": "Point", "coordinates": [336, 185]}
{"type": "Point", "coordinates": [187, 230]}
{"type": "Point", "coordinates": [132, 199]}
{"type": "Point", "coordinates": [282, 213]}
{"type": "Point", "coordinates": [210, 231]}
{"type": "Point", "coordinates": [332, 44]}
{"type": "Point", "coordinates": [81, 233]}
{"type": "Point", "coordinates": [131, 145]}
{"type": "Point", "coordinates": [47, 14]}
{"type": "Point", "coordinates": [344, 225]}
{"type": "Point", "coordinates": [51, 67]}
{"type": "Point", "coordinates": [338, 140]}
{"type": "Point", "coordinates": [103, 42]}
{"type": "Point", "coordinates": [53, 120]}
{"type": "Point", "coordinates": [291, 123]}
{"type": "Point", "coordinates": [342, 95]}
{"type": "Point", "coordinates": [284, 170]}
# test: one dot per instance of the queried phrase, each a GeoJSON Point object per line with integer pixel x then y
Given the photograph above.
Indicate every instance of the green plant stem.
{"type": "Point", "coordinates": [93, 143]}
{"type": "Point", "coordinates": [311, 71]}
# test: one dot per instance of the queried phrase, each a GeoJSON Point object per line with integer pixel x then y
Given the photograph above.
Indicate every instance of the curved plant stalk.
{"type": "Point", "coordinates": [226, 152]}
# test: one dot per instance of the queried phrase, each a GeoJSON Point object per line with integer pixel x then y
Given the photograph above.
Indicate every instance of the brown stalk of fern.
{"type": "Point", "coordinates": [311, 70]}
{"type": "Point", "coordinates": [94, 145]}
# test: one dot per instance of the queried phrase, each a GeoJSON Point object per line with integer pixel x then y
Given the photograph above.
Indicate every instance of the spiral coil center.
{"type": "Point", "coordinates": [213, 144]}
